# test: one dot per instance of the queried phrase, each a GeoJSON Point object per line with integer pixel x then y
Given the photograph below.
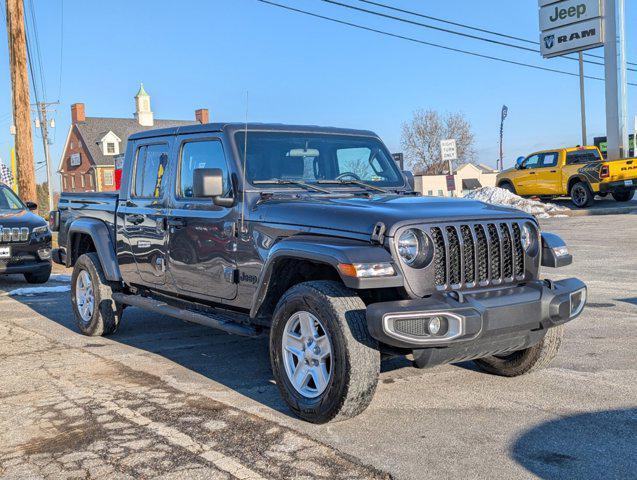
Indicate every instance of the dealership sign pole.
{"type": "Point", "coordinates": [568, 26]}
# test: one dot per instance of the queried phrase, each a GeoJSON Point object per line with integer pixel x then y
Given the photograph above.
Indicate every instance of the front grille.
{"type": "Point", "coordinates": [480, 254]}
{"type": "Point", "coordinates": [8, 234]}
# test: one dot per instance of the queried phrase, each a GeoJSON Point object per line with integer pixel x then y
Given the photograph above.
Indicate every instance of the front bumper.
{"type": "Point", "coordinates": [606, 187]}
{"type": "Point", "coordinates": [27, 257]}
{"type": "Point", "coordinates": [478, 323]}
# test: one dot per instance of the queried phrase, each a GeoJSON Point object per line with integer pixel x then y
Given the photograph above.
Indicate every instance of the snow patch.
{"type": "Point", "coordinates": [60, 278]}
{"type": "Point", "coordinates": [27, 291]}
{"type": "Point", "coordinates": [500, 196]}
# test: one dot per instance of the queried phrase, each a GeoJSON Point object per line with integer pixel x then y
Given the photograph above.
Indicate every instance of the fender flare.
{"type": "Point", "coordinates": [99, 233]}
{"type": "Point", "coordinates": [329, 251]}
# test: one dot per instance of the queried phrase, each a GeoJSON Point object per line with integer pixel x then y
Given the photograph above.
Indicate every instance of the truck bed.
{"type": "Point", "coordinates": [98, 205]}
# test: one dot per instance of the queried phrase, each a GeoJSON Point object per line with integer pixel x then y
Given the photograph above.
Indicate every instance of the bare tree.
{"type": "Point", "coordinates": [422, 135]}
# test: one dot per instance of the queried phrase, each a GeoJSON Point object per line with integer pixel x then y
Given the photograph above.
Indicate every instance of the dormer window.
{"type": "Point", "coordinates": [110, 148]}
{"type": "Point", "coordinates": [110, 144]}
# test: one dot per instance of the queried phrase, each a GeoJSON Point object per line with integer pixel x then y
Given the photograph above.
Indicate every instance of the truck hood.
{"type": "Point", "coordinates": [20, 218]}
{"type": "Point", "coordinates": [360, 214]}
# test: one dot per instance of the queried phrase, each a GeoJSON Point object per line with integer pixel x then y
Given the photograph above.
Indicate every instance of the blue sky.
{"type": "Point", "coordinates": [299, 69]}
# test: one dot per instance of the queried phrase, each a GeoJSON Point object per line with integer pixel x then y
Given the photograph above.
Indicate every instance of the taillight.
{"type": "Point", "coordinates": [604, 172]}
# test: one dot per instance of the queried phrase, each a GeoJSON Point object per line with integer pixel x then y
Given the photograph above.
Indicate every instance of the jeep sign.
{"type": "Point", "coordinates": [572, 38]}
{"type": "Point", "coordinates": [567, 12]}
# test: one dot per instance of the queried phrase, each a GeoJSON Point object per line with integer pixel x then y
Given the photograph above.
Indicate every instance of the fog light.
{"type": "Point", "coordinates": [435, 325]}
{"type": "Point", "coordinates": [44, 253]}
{"type": "Point", "coordinates": [578, 301]}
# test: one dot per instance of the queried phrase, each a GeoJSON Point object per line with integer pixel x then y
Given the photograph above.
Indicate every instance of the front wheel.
{"type": "Point", "coordinates": [508, 187]}
{"type": "Point", "coordinates": [623, 195]}
{"type": "Point", "coordinates": [525, 361]}
{"type": "Point", "coordinates": [581, 195]}
{"type": "Point", "coordinates": [96, 313]}
{"type": "Point", "coordinates": [325, 363]}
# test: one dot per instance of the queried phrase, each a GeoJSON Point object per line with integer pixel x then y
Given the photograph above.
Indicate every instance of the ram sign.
{"type": "Point", "coordinates": [570, 26]}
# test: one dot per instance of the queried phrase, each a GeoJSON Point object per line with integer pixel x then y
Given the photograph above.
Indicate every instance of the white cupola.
{"type": "Point", "coordinates": [143, 113]}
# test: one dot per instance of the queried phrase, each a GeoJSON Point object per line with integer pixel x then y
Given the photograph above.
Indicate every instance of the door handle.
{"type": "Point", "coordinates": [553, 171]}
{"type": "Point", "coordinates": [176, 222]}
{"type": "Point", "coordinates": [135, 219]}
{"type": "Point", "coordinates": [531, 173]}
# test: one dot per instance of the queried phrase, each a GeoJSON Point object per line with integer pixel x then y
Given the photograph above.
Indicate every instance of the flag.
{"type": "Point", "coordinates": [5, 175]}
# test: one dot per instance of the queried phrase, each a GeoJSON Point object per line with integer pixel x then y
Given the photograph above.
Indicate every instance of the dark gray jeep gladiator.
{"type": "Point", "coordinates": [314, 236]}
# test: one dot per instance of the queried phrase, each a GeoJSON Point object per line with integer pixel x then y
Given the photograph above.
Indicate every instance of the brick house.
{"type": "Point", "coordinates": [94, 143]}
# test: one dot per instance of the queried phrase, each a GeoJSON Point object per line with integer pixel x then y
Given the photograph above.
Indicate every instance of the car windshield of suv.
{"type": "Point", "coordinates": [9, 200]}
{"type": "Point", "coordinates": [293, 157]}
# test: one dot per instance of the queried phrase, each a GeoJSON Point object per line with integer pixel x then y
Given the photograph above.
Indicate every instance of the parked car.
{"type": "Point", "coordinates": [25, 239]}
{"type": "Point", "coordinates": [579, 172]}
{"type": "Point", "coordinates": [314, 236]}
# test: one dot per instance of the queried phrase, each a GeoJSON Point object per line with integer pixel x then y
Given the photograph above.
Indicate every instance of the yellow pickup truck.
{"type": "Point", "coordinates": [579, 172]}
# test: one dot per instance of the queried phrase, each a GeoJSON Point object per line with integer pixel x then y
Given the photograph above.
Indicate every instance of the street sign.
{"type": "Point", "coordinates": [567, 12]}
{"type": "Point", "coordinates": [448, 150]}
{"type": "Point", "coordinates": [572, 38]}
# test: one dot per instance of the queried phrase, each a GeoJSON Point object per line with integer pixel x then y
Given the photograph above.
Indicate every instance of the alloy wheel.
{"type": "Point", "coordinates": [84, 296]}
{"type": "Point", "coordinates": [307, 354]}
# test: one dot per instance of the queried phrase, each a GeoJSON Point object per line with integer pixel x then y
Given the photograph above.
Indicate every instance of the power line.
{"type": "Point", "coordinates": [470, 27]}
{"type": "Point", "coordinates": [446, 30]}
{"type": "Point", "coordinates": [34, 33]}
{"type": "Point", "coordinates": [431, 44]}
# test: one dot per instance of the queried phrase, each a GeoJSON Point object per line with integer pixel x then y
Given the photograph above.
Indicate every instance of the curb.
{"type": "Point", "coordinates": [600, 211]}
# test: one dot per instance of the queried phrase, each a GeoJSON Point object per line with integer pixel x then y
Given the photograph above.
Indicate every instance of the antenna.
{"type": "Point", "coordinates": [243, 173]}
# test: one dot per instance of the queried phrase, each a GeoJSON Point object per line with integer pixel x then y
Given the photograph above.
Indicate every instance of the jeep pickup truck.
{"type": "Point", "coordinates": [313, 236]}
{"type": "Point", "coordinates": [579, 172]}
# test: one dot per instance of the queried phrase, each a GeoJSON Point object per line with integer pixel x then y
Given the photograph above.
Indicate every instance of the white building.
{"type": "Point", "coordinates": [468, 176]}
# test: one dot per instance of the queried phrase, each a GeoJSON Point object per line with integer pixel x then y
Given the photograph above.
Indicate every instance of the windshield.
{"type": "Point", "coordinates": [9, 200]}
{"type": "Point", "coordinates": [317, 158]}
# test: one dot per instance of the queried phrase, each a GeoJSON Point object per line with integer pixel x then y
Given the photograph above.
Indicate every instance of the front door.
{"type": "Point", "coordinates": [145, 213]}
{"type": "Point", "coordinates": [525, 184]}
{"type": "Point", "coordinates": [201, 239]}
{"type": "Point", "coordinates": [548, 179]}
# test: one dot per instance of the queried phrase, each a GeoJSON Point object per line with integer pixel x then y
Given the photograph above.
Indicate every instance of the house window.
{"type": "Point", "coordinates": [110, 148]}
{"type": "Point", "coordinates": [72, 182]}
{"type": "Point", "coordinates": [441, 193]}
{"type": "Point", "coordinates": [82, 181]}
{"type": "Point", "coordinates": [64, 182]}
{"type": "Point", "coordinates": [90, 180]}
{"type": "Point", "coordinates": [430, 193]}
{"type": "Point", "coordinates": [108, 178]}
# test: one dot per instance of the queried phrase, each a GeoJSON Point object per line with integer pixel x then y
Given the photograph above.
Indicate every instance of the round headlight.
{"type": "Point", "coordinates": [415, 248]}
{"type": "Point", "coordinates": [408, 246]}
{"type": "Point", "coordinates": [528, 237]}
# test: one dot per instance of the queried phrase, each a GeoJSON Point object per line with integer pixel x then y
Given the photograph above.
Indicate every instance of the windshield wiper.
{"type": "Point", "coordinates": [300, 183]}
{"type": "Point", "coordinates": [354, 182]}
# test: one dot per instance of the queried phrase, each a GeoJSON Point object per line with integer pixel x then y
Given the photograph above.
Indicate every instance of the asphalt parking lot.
{"type": "Point", "coordinates": [161, 398]}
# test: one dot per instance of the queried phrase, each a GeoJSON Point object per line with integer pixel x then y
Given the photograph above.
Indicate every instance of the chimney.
{"type": "Point", "coordinates": [202, 115]}
{"type": "Point", "coordinates": [77, 113]}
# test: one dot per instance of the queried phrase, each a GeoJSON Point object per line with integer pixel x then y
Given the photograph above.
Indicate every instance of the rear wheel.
{"type": "Point", "coordinates": [96, 313]}
{"type": "Point", "coordinates": [325, 363]}
{"type": "Point", "coordinates": [508, 187]}
{"type": "Point", "coordinates": [525, 361]}
{"type": "Point", "coordinates": [581, 195]}
{"type": "Point", "coordinates": [39, 276]}
{"type": "Point", "coordinates": [623, 195]}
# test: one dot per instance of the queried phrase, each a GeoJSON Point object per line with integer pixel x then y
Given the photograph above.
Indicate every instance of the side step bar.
{"type": "Point", "coordinates": [163, 308]}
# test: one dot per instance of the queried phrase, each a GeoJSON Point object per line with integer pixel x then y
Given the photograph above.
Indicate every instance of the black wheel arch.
{"type": "Point", "coordinates": [87, 235]}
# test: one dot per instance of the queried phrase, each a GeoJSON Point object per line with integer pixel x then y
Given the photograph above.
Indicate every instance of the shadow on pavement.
{"type": "Point", "coordinates": [239, 363]}
{"type": "Point", "coordinates": [598, 444]}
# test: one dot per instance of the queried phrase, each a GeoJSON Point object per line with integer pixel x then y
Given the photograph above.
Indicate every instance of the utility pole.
{"type": "Point", "coordinates": [21, 101]}
{"type": "Point", "coordinates": [44, 125]}
{"type": "Point", "coordinates": [615, 66]}
{"type": "Point", "coordinates": [582, 97]}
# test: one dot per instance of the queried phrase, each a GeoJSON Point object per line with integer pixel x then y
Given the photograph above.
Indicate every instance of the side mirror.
{"type": "Point", "coordinates": [519, 162]}
{"type": "Point", "coordinates": [410, 179]}
{"type": "Point", "coordinates": [208, 183]}
{"type": "Point", "coordinates": [31, 206]}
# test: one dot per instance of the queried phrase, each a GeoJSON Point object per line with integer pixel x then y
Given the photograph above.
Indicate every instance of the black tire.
{"type": "Point", "coordinates": [623, 195]}
{"type": "Point", "coordinates": [39, 276]}
{"type": "Point", "coordinates": [508, 186]}
{"type": "Point", "coordinates": [356, 360]}
{"type": "Point", "coordinates": [525, 361]}
{"type": "Point", "coordinates": [106, 313]}
{"type": "Point", "coordinates": [602, 195]}
{"type": "Point", "coordinates": [581, 195]}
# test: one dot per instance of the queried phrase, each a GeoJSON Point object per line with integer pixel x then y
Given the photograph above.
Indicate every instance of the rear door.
{"type": "Point", "coordinates": [145, 211]}
{"type": "Point", "coordinates": [548, 177]}
{"type": "Point", "coordinates": [201, 241]}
